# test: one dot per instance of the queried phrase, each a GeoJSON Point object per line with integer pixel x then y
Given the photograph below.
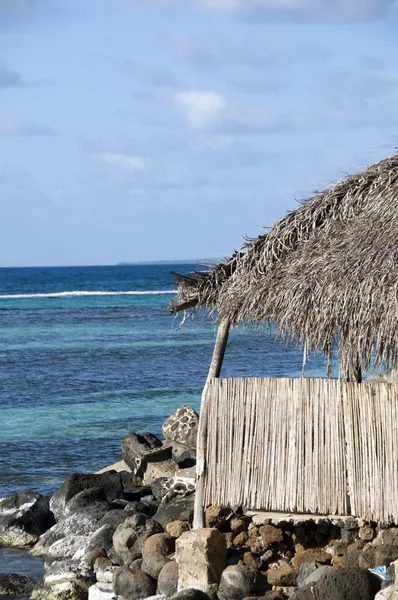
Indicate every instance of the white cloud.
{"type": "Point", "coordinates": [202, 108]}
{"type": "Point", "coordinates": [126, 162]}
{"type": "Point", "coordinates": [343, 10]}
{"type": "Point", "coordinates": [14, 126]}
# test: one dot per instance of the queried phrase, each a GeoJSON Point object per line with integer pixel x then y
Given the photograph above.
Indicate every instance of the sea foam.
{"type": "Point", "coordinates": [78, 293]}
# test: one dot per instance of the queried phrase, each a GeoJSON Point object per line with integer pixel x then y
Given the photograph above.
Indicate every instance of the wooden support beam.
{"type": "Point", "coordinates": [356, 371]}
{"type": "Point", "coordinates": [214, 372]}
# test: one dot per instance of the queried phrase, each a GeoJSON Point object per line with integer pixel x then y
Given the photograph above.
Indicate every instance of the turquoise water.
{"type": "Point", "coordinates": [88, 354]}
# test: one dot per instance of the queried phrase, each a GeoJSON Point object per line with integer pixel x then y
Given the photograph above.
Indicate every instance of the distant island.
{"type": "Point", "coordinates": [192, 261]}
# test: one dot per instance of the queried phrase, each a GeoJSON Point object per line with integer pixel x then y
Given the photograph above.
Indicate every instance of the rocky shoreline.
{"type": "Point", "coordinates": [125, 534]}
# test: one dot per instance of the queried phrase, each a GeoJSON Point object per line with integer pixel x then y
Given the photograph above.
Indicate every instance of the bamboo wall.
{"type": "Point", "coordinates": [302, 445]}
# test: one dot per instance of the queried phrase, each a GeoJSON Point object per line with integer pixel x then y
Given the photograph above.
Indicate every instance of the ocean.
{"type": "Point", "coordinates": [88, 354]}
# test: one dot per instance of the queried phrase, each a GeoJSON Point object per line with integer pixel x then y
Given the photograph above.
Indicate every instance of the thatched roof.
{"type": "Point", "coordinates": [328, 270]}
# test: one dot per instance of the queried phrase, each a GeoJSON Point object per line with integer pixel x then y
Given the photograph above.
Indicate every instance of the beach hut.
{"type": "Point", "coordinates": [327, 275]}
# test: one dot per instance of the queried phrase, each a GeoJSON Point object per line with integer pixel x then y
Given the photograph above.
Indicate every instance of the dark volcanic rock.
{"type": "Point", "coordinates": [190, 595]}
{"type": "Point", "coordinates": [134, 444]}
{"type": "Point", "coordinates": [168, 579]}
{"type": "Point", "coordinates": [238, 582]}
{"type": "Point", "coordinates": [336, 584]}
{"type": "Point", "coordinates": [153, 563]}
{"type": "Point", "coordinates": [183, 455]}
{"type": "Point", "coordinates": [82, 523]}
{"type": "Point", "coordinates": [374, 556]}
{"type": "Point", "coordinates": [12, 584]}
{"type": "Point", "coordinates": [93, 499]}
{"type": "Point", "coordinates": [180, 509]}
{"type": "Point", "coordinates": [133, 585]}
{"type": "Point", "coordinates": [130, 536]}
{"type": "Point", "coordinates": [102, 538]}
{"type": "Point", "coordinates": [23, 518]}
{"type": "Point", "coordinates": [110, 482]}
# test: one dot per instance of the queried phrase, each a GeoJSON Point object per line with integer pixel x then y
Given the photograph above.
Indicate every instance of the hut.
{"type": "Point", "coordinates": [326, 274]}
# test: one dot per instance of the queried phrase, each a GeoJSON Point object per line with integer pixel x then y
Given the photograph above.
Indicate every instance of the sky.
{"type": "Point", "coordinates": [135, 130]}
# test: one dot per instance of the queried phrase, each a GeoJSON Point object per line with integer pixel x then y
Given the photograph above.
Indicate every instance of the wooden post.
{"type": "Point", "coordinates": [356, 371]}
{"type": "Point", "coordinates": [214, 372]}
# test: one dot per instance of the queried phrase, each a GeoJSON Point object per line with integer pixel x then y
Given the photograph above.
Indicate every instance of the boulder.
{"type": "Point", "coordinates": [67, 547]}
{"type": "Point", "coordinates": [152, 464]}
{"type": "Point", "coordinates": [191, 594]}
{"type": "Point", "coordinates": [182, 426]}
{"type": "Point", "coordinates": [130, 536]}
{"type": "Point", "coordinates": [168, 579]}
{"type": "Point", "coordinates": [217, 516]}
{"type": "Point", "coordinates": [335, 584]}
{"type": "Point", "coordinates": [367, 532]}
{"type": "Point", "coordinates": [311, 555]}
{"type": "Point", "coordinates": [114, 518]}
{"type": "Point", "coordinates": [93, 499]}
{"type": "Point", "coordinates": [67, 590]}
{"type": "Point", "coordinates": [176, 508]}
{"type": "Point", "coordinates": [61, 571]}
{"type": "Point", "coordinates": [133, 585]}
{"type": "Point", "coordinates": [380, 555]}
{"type": "Point", "coordinates": [83, 523]}
{"type": "Point", "coordinates": [24, 518]}
{"type": "Point", "coordinates": [153, 563]}
{"type": "Point", "coordinates": [134, 444]}
{"type": "Point", "coordinates": [311, 573]}
{"type": "Point", "coordinates": [159, 542]}
{"type": "Point", "coordinates": [177, 528]}
{"type": "Point", "coordinates": [101, 538]}
{"type": "Point", "coordinates": [239, 581]}
{"type": "Point", "coordinates": [101, 592]}
{"type": "Point", "coordinates": [183, 455]}
{"type": "Point", "coordinates": [110, 482]}
{"type": "Point", "coordinates": [12, 584]}
{"type": "Point", "coordinates": [201, 556]}
{"type": "Point", "coordinates": [284, 576]}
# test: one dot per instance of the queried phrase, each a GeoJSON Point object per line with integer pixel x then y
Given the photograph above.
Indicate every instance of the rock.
{"type": "Point", "coordinates": [183, 455]}
{"type": "Point", "coordinates": [177, 508]}
{"type": "Point", "coordinates": [110, 482]}
{"type": "Point", "coordinates": [61, 571]}
{"type": "Point", "coordinates": [310, 573]}
{"type": "Point", "coordinates": [239, 581]}
{"type": "Point", "coordinates": [283, 577]}
{"type": "Point", "coordinates": [159, 542]}
{"type": "Point", "coordinates": [77, 524]}
{"type": "Point", "coordinates": [181, 484]}
{"type": "Point", "coordinates": [153, 563]}
{"type": "Point", "coordinates": [251, 560]}
{"type": "Point", "coordinates": [101, 592]}
{"type": "Point", "coordinates": [240, 524]}
{"type": "Point", "coordinates": [217, 516]}
{"type": "Point", "coordinates": [367, 532]}
{"type": "Point", "coordinates": [23, 518]}
{"type": "Point", "coordinates": [101, 538]}
{"type": "Point", "coordinates": [133, 585]}
{"type": "Point", "coordinates": [388, 537]}
{"type": "Point", "coordinates": [12, 584]}
{"type": "Point", "coordinates": [152, 464]}
{"type": "Point", "coordinates": [201, 556]}
{"type": "Point", "coordinates": [191, 594]}
{"type": "Point", "coordinates": [177, 528]}
{"type": "Point", "coordinates": [182, 426]}
{"type": "Point", "coordinates": [312, 555]}
{"type": "Point", "coordinates": [92, 556]}
{"type": "Point", "coordinates": [114, 518]}
{"type": "Point", "coordinates": [388, 593]}
{"type": "Point", "coordinates": [67, 547]}
{"type": "Point", "coordinates": [93, 499]}
{"type": "Point", "coordinates": [168, 579]}
{"type": "Point", "coordinates": [68, 590]}
{"type": "Point", "coordinates": [374, 556]}
{"type": "Point", "coordinates": [335, 584]}
{"type": "Point", "coordinates": [240, 539]}
{"type": "Point", "coordinates": [270, 535]}
{"type": "Point", "coordinates": [130, 536]}
{"type": "Point", "coordinates": [135, 444]}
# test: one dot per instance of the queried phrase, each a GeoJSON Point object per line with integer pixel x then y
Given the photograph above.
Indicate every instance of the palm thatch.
{"type": "Point", "coordinates": [329, 270]}
{"type": "Point", "coordinates": [326, 271]}
{"type": "Point", "coordinates": [200, 289]}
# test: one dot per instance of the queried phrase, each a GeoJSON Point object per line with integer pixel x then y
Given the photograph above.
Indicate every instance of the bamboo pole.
{"type": "Point", "coordinates": [214, 372]}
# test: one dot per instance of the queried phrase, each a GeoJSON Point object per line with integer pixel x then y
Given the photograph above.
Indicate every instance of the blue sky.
{"type": "Point", "coordinates": [163, 129]}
